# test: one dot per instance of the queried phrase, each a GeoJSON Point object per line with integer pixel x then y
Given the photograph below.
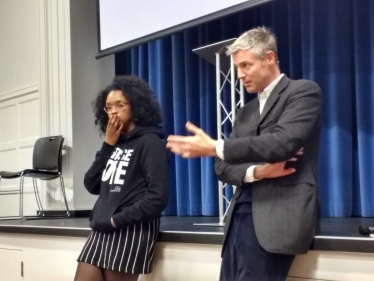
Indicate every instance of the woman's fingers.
{"type": "Point", "coordinates": [120, 129]}
{"type": "Point", "coordinates": [112, 120]}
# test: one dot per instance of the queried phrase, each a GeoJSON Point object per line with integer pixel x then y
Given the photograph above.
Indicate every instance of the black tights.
{"type": "Point", "coordinates": [89, 272]}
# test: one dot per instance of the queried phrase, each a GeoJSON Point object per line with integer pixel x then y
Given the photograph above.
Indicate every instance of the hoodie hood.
{"type": "Point", "coordinates": [140, 131]}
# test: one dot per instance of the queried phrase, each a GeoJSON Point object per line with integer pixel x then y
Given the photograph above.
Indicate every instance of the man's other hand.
{"type": "Point", "coordinates": [275, 170]}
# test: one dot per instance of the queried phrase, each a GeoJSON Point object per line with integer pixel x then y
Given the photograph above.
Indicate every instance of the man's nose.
{"type": "Point", "coordinates": [241, 74]}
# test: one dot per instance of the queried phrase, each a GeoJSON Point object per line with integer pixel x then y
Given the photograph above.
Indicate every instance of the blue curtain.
{"type": "Point", "coordinates": [328, 41]}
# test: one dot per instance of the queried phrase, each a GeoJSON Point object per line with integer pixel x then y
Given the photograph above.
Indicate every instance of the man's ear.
{"type": "Point", "coordinates": [270, 58]}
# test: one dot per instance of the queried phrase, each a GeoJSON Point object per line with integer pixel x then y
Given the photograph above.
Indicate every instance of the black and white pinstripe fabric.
{"type": "Point", "coordinates": [129, 250]}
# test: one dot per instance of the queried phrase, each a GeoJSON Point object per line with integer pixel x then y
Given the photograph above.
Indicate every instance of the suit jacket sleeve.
{"type": "Point", "coordinates": [296, 123]}
{"type": "Point", "coordinates": [231, 172]}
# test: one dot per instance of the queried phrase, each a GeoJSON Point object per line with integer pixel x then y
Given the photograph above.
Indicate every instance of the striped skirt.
{"type": "Point", "coordinates": [128, 250]}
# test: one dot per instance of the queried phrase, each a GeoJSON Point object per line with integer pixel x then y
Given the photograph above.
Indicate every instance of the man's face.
{"type": "Point", "coordinates": [255, 73]}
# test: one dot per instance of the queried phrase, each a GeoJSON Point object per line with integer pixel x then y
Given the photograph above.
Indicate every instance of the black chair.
{"type": "Point", "coordinates": [46, 160]}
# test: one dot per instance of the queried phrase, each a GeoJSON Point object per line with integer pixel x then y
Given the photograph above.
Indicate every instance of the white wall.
{"type": "Point", "coordinates": [56, 260]}
{"type": "Point", "coordinates": [88, 77]}
{"type": "Point", "coordinates": [20, 94]}
{"type": "Point", "coordinates": [35, 93]}
{"type": "Point", "coordinates": [19, 60]}
{"type": "Point", "coordinates": [36, 87]}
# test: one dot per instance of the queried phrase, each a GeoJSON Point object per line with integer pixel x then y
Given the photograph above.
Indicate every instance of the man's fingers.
{"type": "Point", "coordinates": [178, 145]}
{"type": "Point", "coordinates": [300, 151]}
{"type": "Point", "coordinates": [177, 149]}
{"type": "Point", "coordinates": [292, 159]}
{"type": "Point", "coordinates": [179, 139]}
{"type": "Point", "coordinates": [288, 171]}
{"type": "Point", "coordinates": [193, 129]}
{"type": "Point", "coordinates": [186, 154]}
{"type": "Point", "coordinates": [182, 149]}
{"type": "Point", "coordinates": [173, 145]}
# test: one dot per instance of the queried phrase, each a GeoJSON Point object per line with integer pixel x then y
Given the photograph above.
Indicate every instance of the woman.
{"type": "Point", "coordinates": [130, 176]}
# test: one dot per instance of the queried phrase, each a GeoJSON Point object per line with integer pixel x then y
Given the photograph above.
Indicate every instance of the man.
{"type": "Point", "coordinates": [273, 214]}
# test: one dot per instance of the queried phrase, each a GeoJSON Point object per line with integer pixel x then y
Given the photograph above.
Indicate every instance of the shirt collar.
{"type": "Point", "coordinates": [267, 91]}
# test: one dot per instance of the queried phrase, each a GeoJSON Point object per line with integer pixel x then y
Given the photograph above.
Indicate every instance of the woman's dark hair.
{"type": "Point", "coordinates": [146, 111]}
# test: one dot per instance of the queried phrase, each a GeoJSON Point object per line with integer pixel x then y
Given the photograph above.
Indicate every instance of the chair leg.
{"type": "Point", "coordinates": [20, 199]}
{"type": "Point", "coordinates": [64, 195]}
{"type": "Point", "coordinates": [38, 201]}
{"type": "Point", "coordinates": [40, 205]}
{"type": "Point", "coordinates": [37, 196]}
{"type": "Point", "coordinates": [22, 180]}
{"type": "Point", "coordinates": [11, 217]}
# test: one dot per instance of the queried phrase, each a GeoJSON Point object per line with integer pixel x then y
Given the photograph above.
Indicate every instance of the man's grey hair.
{"type": "Point", "coordinates": [258, 40]}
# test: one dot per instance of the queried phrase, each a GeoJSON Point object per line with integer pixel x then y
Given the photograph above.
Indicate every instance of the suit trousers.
{"type": "Point", "coordinates": [244, 259]}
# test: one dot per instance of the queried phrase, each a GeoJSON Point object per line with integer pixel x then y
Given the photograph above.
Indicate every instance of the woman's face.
{"type": "Point", "coordinates": [117, 106]}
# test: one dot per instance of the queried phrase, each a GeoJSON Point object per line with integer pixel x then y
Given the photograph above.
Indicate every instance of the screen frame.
{"type": "Point", "coordinates": [173, 29]}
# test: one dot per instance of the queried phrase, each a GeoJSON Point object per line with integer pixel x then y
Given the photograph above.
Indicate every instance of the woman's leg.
{"type": "Point", "coordinates": [111, 275]}
{"type": "Point", "coordinates": [88, 272]}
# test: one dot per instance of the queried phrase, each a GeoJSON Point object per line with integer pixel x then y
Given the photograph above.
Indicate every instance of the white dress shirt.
{"type": "Point", "coordinates": [262, 98]}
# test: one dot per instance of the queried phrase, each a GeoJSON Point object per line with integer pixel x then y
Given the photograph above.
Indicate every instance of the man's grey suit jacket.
{"type": "Point", "coordinates": [285, 210]}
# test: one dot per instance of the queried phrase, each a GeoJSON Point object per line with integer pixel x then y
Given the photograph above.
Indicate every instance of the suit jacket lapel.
{"type": "Point", "coordinates": [274, 96]}
{"type": "Point", "coordinates": [255, 118]}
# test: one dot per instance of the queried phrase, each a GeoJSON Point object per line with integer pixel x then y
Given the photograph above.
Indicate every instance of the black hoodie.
{"type": "Point", "coordinates": [131, 180]}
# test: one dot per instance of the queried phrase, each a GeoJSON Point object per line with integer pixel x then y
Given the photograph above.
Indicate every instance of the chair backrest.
{"type": "Point", "coordinates": [47, 153]}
